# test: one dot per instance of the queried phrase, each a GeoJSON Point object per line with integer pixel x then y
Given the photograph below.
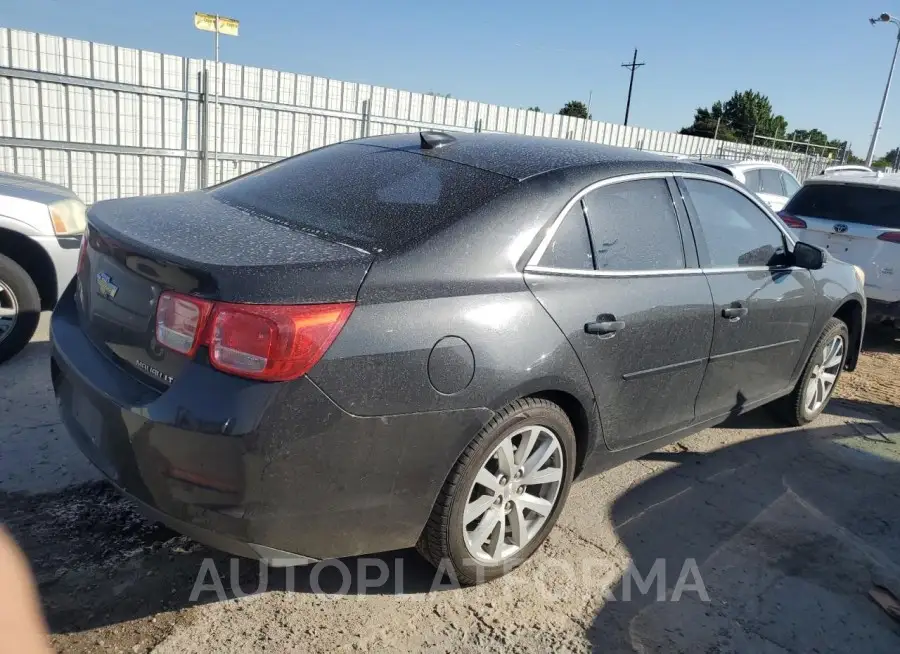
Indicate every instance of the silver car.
{"type": "Point", "coordinates": [40, 236]}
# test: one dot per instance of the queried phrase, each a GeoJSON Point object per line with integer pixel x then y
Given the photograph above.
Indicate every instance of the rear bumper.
{"type": "Point", "coordinates": [273, 471]}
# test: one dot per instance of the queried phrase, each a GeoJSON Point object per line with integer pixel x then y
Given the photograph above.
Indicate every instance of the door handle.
{"type": "Point", "coordinates": [735, 311]}
{"type": "Point", "coordinates": [605, 324]}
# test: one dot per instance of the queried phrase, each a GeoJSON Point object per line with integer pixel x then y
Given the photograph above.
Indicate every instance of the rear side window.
{"type": "Point", "coordinates": [633, 226]}
{"type": "Point", "coordinates": [752, 180]}
{"type": "Point", "coordinates": [770, 181]}
{"type": "Point", "coordinates": [847, 203]}
{"type": "Point", "coordinates": [570, 247]}
{"type": "Point", "coordinates": [790, 184]}
{"type": "Point", "coordinates": [369, 196]}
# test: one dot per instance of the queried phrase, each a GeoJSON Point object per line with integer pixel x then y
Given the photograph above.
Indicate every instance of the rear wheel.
{"type": "Point", "coordinates": [20, 308]}
{"type": "Point", "coordinates": [820, 376]}
{"type": "Point", "coordinates": [504, 494]}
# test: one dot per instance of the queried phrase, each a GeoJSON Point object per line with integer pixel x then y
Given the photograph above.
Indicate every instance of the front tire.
{"type": "Point", "coordinates": [504, 495]}
{"type": "Point", "coordinates": [820, 376]}
{"type": "Point", "coordinates": [20, 308]}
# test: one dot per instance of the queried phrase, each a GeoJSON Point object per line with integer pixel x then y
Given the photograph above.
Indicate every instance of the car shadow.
{"type": "Point", "coordinates": [98, 562]}
{"type": "Point", "coordinates": [768, 545]}
{"type": "Point", "coordinates": [882, 338]}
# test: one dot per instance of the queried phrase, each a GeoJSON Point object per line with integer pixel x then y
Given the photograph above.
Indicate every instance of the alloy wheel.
{"type": "Point", "coordinates": [513, 494]}
{"type": "Point", "coordinates": [824, 374]}
{"type": "Point", "coordinates": [9, 310]}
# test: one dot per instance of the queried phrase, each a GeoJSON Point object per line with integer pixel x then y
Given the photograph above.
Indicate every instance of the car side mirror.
{"type": "Point", "coordinates": [808, 256]}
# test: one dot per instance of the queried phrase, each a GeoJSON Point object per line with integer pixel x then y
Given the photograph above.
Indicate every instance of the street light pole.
{"type": "Point", "coordinates": [883, 18]}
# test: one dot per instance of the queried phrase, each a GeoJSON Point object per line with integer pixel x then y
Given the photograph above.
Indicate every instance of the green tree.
{"type": "Point", "coordinates": [575, 108]}
{"type": "Point", "coordinates": [538, 109]}
{"type": "Point", "coordinates": [745, 114]}
{"type": "Point", "coordinates": [891, 156]}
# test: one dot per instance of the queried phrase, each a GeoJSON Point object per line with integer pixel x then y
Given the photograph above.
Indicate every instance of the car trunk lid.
{"type": "Point", "coordinates": [191, 243]}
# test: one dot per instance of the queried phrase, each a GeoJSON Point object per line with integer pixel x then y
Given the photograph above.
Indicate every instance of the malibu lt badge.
{"type": "Point", "coordinates": [105, 287]}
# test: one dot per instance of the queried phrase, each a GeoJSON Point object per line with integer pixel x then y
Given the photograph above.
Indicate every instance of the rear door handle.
{"type": "Point", "coordinates": [735, 311]}
{"type": "Point", "coordinates": [605, 324]}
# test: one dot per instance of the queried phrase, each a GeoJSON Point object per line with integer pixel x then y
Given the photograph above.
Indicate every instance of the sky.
{"type": "Point", "coordinates": [820, 62]}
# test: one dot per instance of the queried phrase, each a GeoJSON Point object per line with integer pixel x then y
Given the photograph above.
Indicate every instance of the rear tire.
{"type": "Point", "coordinates": [530, 440]}
{"type": "Point", "coordinates": [813, 391]}
{"type": "Point", "coordinates": [20, 308]}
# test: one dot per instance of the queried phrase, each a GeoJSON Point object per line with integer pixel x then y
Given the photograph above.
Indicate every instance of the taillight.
{"type": "Point", "coordinates": [275, 343]}
{"type": "Point", "coordinates": [890, 237]}
{"type": "Point", "coordinates": [792, 221]}
{"type": "Point", "coordinates": [268, 342]}
{"type": "Point", "coordinates": [180, 320]}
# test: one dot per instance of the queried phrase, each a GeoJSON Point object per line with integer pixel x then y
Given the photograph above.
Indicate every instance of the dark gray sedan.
{"type": "Point", "coordinates": [423, 339]}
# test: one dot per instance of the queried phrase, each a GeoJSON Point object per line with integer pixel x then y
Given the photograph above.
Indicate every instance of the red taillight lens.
{"type": "Point", "coordinates": [890, 237]}
{"type": "Point", "coordinates": [792, 221]}
{"type": "Point", "coordinates": [180, 320]}
{"type": "Point", "coordinates": [274, 343]}
{"type": "Point", "coordinates": [268, 342]}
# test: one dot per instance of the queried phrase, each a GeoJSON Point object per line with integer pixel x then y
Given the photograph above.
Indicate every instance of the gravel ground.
{"type": "Point", "coordinates": [781, 532]}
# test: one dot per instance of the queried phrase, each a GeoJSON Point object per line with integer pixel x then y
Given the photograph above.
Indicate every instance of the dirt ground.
{"type": "Point", "coordinates": [764, 539]}
{"type": "Point", "coordinates": [877, 380]}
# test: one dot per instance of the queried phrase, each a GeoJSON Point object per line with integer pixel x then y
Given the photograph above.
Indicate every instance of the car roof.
{"type": "Point", "coordinates": [873, 179]}
{"type": "Point", "coordinates": [521, 157]}
{"type": "Point", "coordinates": [734, 164]}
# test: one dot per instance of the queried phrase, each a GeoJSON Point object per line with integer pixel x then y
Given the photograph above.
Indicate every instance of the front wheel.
{"type": "Point", "coordinates": [20, 308]}
{"type": "Point", "coordinates": [504, 494]}
{"type": "Point", "coordinates": [820, 376]}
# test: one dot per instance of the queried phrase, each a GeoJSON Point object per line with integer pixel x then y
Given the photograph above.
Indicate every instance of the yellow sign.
{"type": "Point", "coordinates": [207, 22]}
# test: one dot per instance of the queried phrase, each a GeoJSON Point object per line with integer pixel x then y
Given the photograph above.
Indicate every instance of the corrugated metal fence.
{"type": "Point", "coordinates": [111, 122]}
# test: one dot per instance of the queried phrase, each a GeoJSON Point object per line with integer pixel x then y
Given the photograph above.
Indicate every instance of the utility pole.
{"type": "Point", "coordinates": [716, 135]}
{"type": "Point", "coordinates": [634, 65]}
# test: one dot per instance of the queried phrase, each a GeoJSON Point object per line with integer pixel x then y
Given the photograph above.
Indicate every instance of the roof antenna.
{"type": "Point", "coordinates": [432, 140]}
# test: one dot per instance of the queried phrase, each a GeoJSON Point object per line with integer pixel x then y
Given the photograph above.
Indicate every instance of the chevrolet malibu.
{"type": "Point", "coordinates": [423, 339]}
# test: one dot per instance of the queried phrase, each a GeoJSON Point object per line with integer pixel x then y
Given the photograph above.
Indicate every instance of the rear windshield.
{"type": "Point", "coordinates": [847, 203]}
{"type": "Point", "coordinates": [372, 197]}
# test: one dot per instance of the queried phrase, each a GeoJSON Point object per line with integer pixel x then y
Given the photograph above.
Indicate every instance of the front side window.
{"type": "Point", "coordinates": [770, 180]}
{"type": "Point", "coordinates": [752, 181]}
{"type": "Point", "coordinates": [570, 246]}
{"type": "Point", "coordinates": [735, 230]}
{"type": "Point", "coordinates": [633, 226]}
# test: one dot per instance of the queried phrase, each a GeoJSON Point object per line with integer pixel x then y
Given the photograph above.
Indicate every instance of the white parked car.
{"type": "Point", "coordinates": [856, 218]}
{"type": "Point", "coordinates": [40, 234]}
{"type": "Point", "coordinates": [772, 182]}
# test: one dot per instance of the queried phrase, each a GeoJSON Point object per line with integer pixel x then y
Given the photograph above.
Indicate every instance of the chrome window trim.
{"type": "Point", "coordinates": [551, 231]}
{"type": "Point", "coordinates": [533, 264]}
{"type": "Point", "coordinates": [574, 272]}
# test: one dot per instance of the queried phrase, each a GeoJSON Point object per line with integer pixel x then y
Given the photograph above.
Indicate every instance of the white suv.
{"type": "Point", "coordinates": [856, 218]}
{"type": "Point", "coordinates": [772, 182]}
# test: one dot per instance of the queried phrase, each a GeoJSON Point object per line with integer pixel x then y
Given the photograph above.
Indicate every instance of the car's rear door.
{"type": "Point", "coordinates": [764, 308]}
{"type": "Point", "coordinates": [857, 223]}
{"type": "Point", "coordinates": [771, 189]}
{"type": "Point", "coordinates": [620, 277]}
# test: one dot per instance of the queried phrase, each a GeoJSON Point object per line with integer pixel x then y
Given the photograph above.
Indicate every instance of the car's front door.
{"type": "Point", "coordinates": [620, 277]}
{"type": "Point", "coordinates": [764, 308]}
